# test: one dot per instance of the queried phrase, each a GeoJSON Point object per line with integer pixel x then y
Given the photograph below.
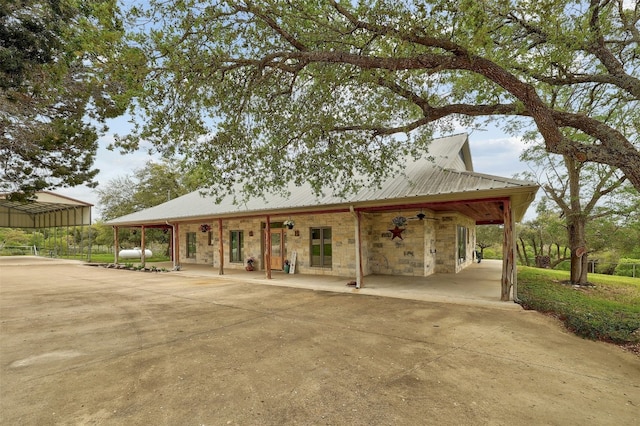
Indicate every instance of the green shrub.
{"type": "Point", "coordinates": [564, 266]}
{"type": "Point", "coordinates": [610, 311]}
{"type": "Point", "coordinates": [490, 253]}
{"type": "Point", "coordinates": [625, 267]}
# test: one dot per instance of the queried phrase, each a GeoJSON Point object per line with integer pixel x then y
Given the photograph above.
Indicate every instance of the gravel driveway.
{"type": "Point", "coordinates": [87, 345]}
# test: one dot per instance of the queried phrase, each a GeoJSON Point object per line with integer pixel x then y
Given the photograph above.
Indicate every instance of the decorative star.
{"type": "Point", "coordinates": [397, 232]}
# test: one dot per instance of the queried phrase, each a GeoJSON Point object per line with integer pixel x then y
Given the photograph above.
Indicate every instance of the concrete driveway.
{"type": "Point", "coordinates": [87, 345]}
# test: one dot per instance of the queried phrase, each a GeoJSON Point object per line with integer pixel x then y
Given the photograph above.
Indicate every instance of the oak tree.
{"type": "Point", "coordinates": [56, 90]}
{"type": "Point", "coordinates": [333, 92]}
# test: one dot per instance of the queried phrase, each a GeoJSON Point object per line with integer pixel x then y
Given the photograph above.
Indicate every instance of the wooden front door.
{"type": "Point", "coordinates": [277, 249]}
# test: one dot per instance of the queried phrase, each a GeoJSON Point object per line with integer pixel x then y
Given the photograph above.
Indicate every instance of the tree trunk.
{"type": "Point", "coordinates": [524, 261]}
{"type": "Point", "coordinates": [576, 223]}
{"type": "Point", "coordinates": [577, 244]}
{"type": "Point", "coordinates": [519, 250]}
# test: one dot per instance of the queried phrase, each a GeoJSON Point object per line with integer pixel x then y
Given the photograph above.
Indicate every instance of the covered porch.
{"type": "Point", "coordinates": [478, 284]}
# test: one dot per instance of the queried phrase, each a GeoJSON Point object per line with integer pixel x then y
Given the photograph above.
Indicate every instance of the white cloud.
{"type": "Point", "coordinates": [497, 154]}
{"type": "Point", "coordinates": [111, 164]}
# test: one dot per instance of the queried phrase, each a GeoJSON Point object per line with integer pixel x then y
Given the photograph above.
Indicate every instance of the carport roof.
{"type": "Point", "coordinates": [46, 209]}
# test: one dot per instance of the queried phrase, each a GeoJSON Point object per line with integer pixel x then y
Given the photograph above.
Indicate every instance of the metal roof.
{"type": "Point", "coordinates": [426, 182]}
{"type": "Point", "coordinates": [45, 210]}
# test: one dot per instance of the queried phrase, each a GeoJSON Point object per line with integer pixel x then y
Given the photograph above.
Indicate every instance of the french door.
{"type": "Point", "coordinates": [277, 249]}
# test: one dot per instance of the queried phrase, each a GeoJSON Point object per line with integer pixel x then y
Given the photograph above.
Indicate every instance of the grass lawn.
{"type": "Point", "coordinates": [609, 310]}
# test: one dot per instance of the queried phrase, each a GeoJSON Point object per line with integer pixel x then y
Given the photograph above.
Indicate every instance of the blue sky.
{"type": "Point", "coordinates": [493, 152]}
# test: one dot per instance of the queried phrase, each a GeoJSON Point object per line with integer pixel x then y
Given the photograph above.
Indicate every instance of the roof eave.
{"type": "Point", "coordinates": [521, 196]}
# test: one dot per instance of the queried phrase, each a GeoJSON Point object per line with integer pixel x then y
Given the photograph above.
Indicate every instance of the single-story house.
{"type": "Point", "coordinates": [420, 222]}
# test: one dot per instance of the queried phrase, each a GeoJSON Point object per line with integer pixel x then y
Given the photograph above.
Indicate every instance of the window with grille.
{"type": "Point", "coordinates": [321, 249]}
{"type": "Point", "coordinates": [237, 241]}
{"type": "Point", "coordinates": [191, 245]}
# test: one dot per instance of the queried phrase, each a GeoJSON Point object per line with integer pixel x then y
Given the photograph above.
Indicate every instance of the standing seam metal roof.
{"type": "Point", "coordinates": [421, 178]}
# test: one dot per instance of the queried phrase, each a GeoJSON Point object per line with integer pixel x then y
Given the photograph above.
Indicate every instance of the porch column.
{"type": "Point", "coordinates": [116, 245]}
{"type": "Point", "coordinates": [514, 254]}
{"type": "Point", "coordinates": [267, 252]}
{"type": "Point", "coordinates": [176, 246]}
{"type": "Point", "coordinates": [507, 252]}
{"type": "Point", "coordinates": [220, 247]}
{"type": "Point", "coordinates": [358, 238]}
{"type": "Point", "coordinates": [143, 257]}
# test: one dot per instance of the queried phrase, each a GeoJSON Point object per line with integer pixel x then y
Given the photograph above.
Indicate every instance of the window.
{"type": "Point", "coordinates": [321, 247]}
{"type": "Point", "coordinates": [462, 243]}
{"type": "Point", "coordinates": [210, 238]}
{"type": "Point", "coordinates": [191, 245]}
{"type": "Point", "coordinates": [236, 246]}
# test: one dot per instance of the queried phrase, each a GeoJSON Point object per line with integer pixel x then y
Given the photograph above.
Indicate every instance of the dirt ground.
{"type": "Point", "coordinates": [83, 345]}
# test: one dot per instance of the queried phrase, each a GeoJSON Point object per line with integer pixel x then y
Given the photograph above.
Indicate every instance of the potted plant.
{"type": "Point", "coordinates": [289, 223]}
{"type": "Point", "coordinates": [250, 262]}
{"type": "Point", "coordinates": [399, 221]}
{"type": "Point", "coordinates": [287, 266]}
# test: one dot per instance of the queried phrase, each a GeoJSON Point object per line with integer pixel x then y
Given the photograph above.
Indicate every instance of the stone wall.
{"type": "Point", "coordinates": [427, 246]}
{"type": "Point", "coordinates": [342, 238]}
{"type": "Point", "coordinates": [447, 261]}
{"type": "Point", "coordinates": [395, 256]}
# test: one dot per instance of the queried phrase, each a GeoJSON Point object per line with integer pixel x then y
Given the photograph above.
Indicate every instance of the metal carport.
{"type": "Point", "coordinates": [45, 210]}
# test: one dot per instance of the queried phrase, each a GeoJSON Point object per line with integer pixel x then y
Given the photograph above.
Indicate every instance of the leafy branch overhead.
{"type": "Point", "coordinates": [269, 92]}
{"type": "Point", "coordinates": [55, 92]}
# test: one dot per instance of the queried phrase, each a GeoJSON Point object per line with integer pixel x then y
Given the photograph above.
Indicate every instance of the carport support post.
{"type": "Point", "coordinates": [220, 247]}
{"type": "Point", "coordinates": [507, 252]}
{"type": "Point", "coordinates": [116, 245]}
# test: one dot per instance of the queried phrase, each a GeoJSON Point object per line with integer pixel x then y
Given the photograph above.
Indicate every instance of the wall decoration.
{"type": "Point", "coordinates": [205, 228]}
{"type": "Point", "coordinates": [399, 221]}
{"type": "Point", "coordinates": [397, 232]}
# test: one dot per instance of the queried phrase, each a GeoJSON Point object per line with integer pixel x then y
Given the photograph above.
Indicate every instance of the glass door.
{"type": "Point", "coordinates": [277, 249]}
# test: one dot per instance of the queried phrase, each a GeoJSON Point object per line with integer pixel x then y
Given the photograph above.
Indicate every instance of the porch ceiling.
{"type": "Point", "coordinates": [483, 212]}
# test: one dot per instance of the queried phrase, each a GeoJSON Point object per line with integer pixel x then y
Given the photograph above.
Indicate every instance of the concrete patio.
{"type": "Point", "coordinates": [479, 284]}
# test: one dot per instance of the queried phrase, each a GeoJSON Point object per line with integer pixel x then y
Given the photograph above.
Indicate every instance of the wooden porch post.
{"type": "Point", "coordinates": [359, 272]}
{"type": "Point", "coordinates": [514, 254]}
{"type": "Point", "coordinates": [220, 247]}
{"type": "Point", "coordinates": [507, 252]}
{"type": "Point", "coordinates": [176, 245]}
{"type": "Point", "coordinates": [267, 253]}
{"type": "Point", "coordinates": [116, 245]}
{"type": "Point", "coordinates": [143, 257]}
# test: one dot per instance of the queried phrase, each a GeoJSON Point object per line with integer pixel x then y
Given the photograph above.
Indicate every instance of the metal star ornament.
{"type": "Point", "coordinates": [397, 232]}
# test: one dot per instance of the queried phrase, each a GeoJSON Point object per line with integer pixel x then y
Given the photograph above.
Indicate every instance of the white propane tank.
{"type": "Point", "coordinates": [134, 253]}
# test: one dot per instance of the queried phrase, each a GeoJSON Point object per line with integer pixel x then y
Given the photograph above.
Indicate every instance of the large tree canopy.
{"type": "Point", "coordinates": [54, 90]}
{"type": "Point", "coordinates": [267, 92]}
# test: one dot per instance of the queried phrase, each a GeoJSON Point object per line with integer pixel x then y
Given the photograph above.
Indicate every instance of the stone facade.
{"type": "Point", "coordinates": [447, 260]}
{"type": "Point", "coordinates": [427, 246]}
